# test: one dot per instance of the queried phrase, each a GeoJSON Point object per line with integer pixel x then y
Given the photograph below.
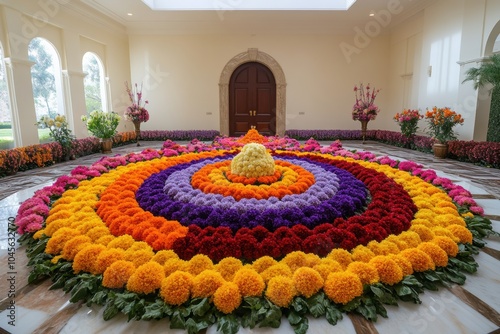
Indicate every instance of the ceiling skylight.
{"type": "Point", "coordinates": [249, 4]}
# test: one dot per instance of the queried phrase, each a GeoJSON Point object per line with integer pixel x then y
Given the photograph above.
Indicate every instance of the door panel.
{"type": "Point", "coordinates": [252, 100]}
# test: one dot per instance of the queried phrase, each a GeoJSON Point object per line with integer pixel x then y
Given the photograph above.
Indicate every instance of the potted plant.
{"type": "Point", "coordinates": [59, 131]}
{"type": "Point", "coordinates": [441, 123]}
{"type": "Point", "coordinates": [408, 123]}
{"type": "Point", "coordinates": [136, 112]}
{"type": "Point", "coordinates": [364, 110]}
{"type": "Point", "coordinates": [103, 126]}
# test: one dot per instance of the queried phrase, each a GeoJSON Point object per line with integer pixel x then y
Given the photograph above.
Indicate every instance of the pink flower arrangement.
{"type": "Point", "coordinates": [365, 109]}
{"type": "Point", "coordinates": [137, 110]}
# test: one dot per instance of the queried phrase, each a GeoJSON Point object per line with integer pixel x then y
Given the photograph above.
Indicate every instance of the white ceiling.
{"type": "Point", "coordinates": [227, 20]}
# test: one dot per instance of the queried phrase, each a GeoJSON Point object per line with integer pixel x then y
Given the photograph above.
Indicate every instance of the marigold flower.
{"type": "Point", "coordinates": [86, 258]}
{"type": "Point", "coordinates": [447, 244]}
{"type": "Point", "coordinates": [362, 254]}
{"type": "Point", "coordinates": [228, 267]}
{"type": "Point", "coordinates": [412, 239]}
{"type": "Point", "coordinates": [164, 255]}
{"type": "Point", "coordinates": [281, 290]}
{"type": "Point", "coordinates": [199, 263]}
{"type": "Point", "coordinates": [250, 283]}
{"type": "Point", "coordinates": [341, 256]}
{"type": "Point", "coordinates": [108, 257]}
{"type": "Point", "coordinates": [461, 232]}
{"type": "Point", "coordinates": [124, 242]}
{"type": "Point", "coordinates": [227, 298]}
{"type": "Point", "coordinates": [173, 265]}
{"type": "Point", "coordinates": [438, 256]}
{"type": "Point", "coordinates": [307, 281]}
{"type": "Point", "coordinates": [146, 278]}
{"type": "Point", "coordinates": [56, 243]}
{"type": "Point", "coordinates": [176, 288]}
{"type": "Point", "coordinates": [97, 232]}
{"type": "Point", "coordinates": [139, 257]}
{"type": "Point", "coordinates": [74, 245]}
{"type": "Point", "coordinates": [403, 263]}
{"type": "Point", "coordinates": [263, 263]}
{"type": "Point", "coordinates": [366, 272]}
{"type": "Point", "coordinates": [279, 269]}
{"type": "Point", "coordinates": [423, 232]}
{"type": "Point", "coordinates": [420, 261]}
{"type": "Point", "coordinates": [206, 283]}
{"type": "Point", "coordinates": [117, 274]}
{"type": "Point", "coordinates": [105, 240]}
{"type": "Point", "coordinates": [295, 260]}
{"type": "Point", "coordinates": [342, 287]}
{"type": "Point", "coordinates": [388, 270]}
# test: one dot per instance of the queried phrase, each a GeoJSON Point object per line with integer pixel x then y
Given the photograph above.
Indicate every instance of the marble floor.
{"type": "Point", "coordinates": [471, 308]}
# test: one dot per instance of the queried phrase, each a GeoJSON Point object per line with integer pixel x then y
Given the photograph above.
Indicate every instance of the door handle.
{"type": "Point", "coordinates": [255, 112]}
{"type": "Point", "coordinates": [250, 112]}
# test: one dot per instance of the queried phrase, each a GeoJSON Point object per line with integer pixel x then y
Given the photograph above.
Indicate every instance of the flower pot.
{"type": "Point", "coordinates": [440, 150]}
{"type": "Point", "coordinates": [106, 145]}
{"type": "Point", "coordinates": [137, 127]}
{"type": "Point", "coordinates": [364, 124]}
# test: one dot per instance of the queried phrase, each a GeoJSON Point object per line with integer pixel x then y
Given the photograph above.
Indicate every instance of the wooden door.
{"type": "Point", "coordinates": [252, 100]}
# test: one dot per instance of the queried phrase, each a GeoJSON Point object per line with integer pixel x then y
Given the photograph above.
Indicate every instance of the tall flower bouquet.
{"type": "Point", "coordinates": [441, 122]}
{"type": "Point", "coordinates": [102, 124]}
{"type": "Point", "coordinates": [59, 130]}
{"type": "Point", "coordinates": [408, 121]}
{"type": "Point", "coordinates": [365, 109]}
{"type": "Point", "coordinates": [137, 111]}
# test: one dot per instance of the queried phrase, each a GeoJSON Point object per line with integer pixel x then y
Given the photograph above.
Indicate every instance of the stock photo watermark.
{"type": "Point", "coordinates": [11, 274]}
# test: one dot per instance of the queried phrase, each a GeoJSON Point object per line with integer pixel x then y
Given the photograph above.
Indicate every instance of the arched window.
{"type": "Point", "coordinates": [46, 80]}
{"type": "Point", "coordinates": [95, 86]}
{"type": "Point", "coordinates": [6, 131]}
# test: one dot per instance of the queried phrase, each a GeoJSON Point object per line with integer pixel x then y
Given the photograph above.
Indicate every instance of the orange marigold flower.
{"type": "Point", "coordinates": [97, 232]}
{"type": "Point", "coordinates": [263, 263]}
{"type": "Point", "coordinates": [438, 256]}
{"type": "Point", "coordinates": [400, 244]}
{"type": "Point", "coordinates": [108, 257]}
{"type": "Point", "coordinates": [105, 240]}
{"type": "Point", "coordinates": [250, 283]}
{"type": "Point", "coordinates": [388, 270]}
{"type": "Point", "coordinates": [312, 260]}
{"type": "Point", "coordinates": [139, 257]}
{"type": "Point", "coordinates": [423, 232]}
{"type": "Point", "coordinates": [199, 263]}
{"type": "Point", "coordinates": [227, 298]}
{"type": "Point", "coordinates": [403, 263]}
{"type": "Point", "coordinates": [411, 238]}
{"type": "Point", "coordinates": [307, 281]}
{"type": "Point", "coordinates": [447, 244]}
{"type": "Point", "coordinates": [56, 243]}
{"type": "Point", "coordinates": [228, 267]}
{"type": "Point", "coordinates": [124, 242]}
{"type": "Point", "coordinates": [342, 287]}
{"type": "Point", "coordinates": [444, 232]}
{"type": "Point", "coordinates": [420, 261]}
{"type": "Point", "coordinates": [117, 274]}
{"type": "Point", "coordinates": [295, 260]}
{"type": "Point", "coordinates": [146, 278]}
{"type": "Point", "coordinates": [362, 254]}
{"type": "Point", "coordinates": [38, 234]}
{"type": "Point", "coordinates": [279, 269]}
{"type": "Point", "coordinates": [342, 256]}
{"type": "Point", "coordinates": [461, 232]}
{"type": "Point", "coordinates": [206, 283]}
{"type": "Point", "coordinates": [164, 255]}
{"type": "Point", "coordinates": [176, 288]}
{"type": "Point", "coordinates": [281, 290]}
{"type": "Point", "coordinates": [366, 272]}
{"type": "Point", "coordinates": [173, 265]}
{"type": "Point", "coordinates": [86, 258]}
{"type": "Point", "coordinates": [74, 245]}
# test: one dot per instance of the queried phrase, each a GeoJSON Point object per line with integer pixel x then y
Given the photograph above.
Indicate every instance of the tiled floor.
{"type": "Point", "coordinates": [471, 308]}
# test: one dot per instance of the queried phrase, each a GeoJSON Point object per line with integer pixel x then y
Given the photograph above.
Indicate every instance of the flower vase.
{"type": "Point", "coordinates": [364, 124]}
{"type": "Point", "coordinates": [440, 150]}
{"type": "Point", "coordinates": [137, 127]}
{"type": "Point", "coordinates": [106, 145]}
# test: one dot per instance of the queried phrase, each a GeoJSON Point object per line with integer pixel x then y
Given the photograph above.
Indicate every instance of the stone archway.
{"type": "Point", "coordinates": [252, 55]}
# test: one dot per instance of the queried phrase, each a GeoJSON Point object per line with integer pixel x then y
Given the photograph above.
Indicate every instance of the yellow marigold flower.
{"type": "Point", "coordinates": [461, 232]}
{"type": "Point", "coordinates": [438, 256]}
{"type": "Point", "coordinates": [325, 269]}
{"type": "Point", "coordinates": [279, 269]}
{"type": "Point", "coordinates": [444, 232]}
{"type": "Point", "coordinates": [366, 272]}
{"type": "Point", "coordinates": [448, 219]}
{"type": "Point", "coordinates": [362, 253]}
{"type": "Point", "coordinates": [420, 221]}
{"type": "Point", "coordinates": [164, 255]}
{"type": "Point", "coordinates": [342, 287]}
{"type": "Point", "coordinates": [412, 239]}
{"type": "Point", "coordinates": [55, 244]}
{"type": "Point", "coordinates": [388, 270]}
{"type": "Point", "coordinates": [206, 283]}
{"type": "Point", "coordinates": [146, 278]}
{"type": "Point", "coordinates": [382, 248]}
{"type": "Point", "coordinates": [105, 240]}
{"type": "Point", "coordinates": [74, 245]}
{"type": "Point", "coordinates": [56, 259]}
{"type": "Point", "coordinates": [199, 263]}
{"type": "Point", "coordinates": [173, 265]}
{"type": "Point", "coordinates": [423, 232]}
{"type": "Point", "coordinates": [176, 288]}
{"type": "Point", "coordinates": [281, 290]}
{"type": "Point", "coordinates": [38, 234]}
{"type": "Point", "coordinates": [426, 214]}
{"type": "Point", "coordinates": [420, 261]}
{"type": "Point", "coordinates": [400, 244]}
{"type": "Point", "coordinates": [250, 283]}
{"type": "Point", "coordinates": [227, 298]}
{"type": "Point", "coordinates": [108, 257]}
{"type": "Point", "coordinates": [263, 263]}
{"type": "Point", "coordinates": [341, 256]}
{"type": "Point", "coordinates": [139, 257]}
{"type": "Point", "coordinates": [124, 242]}
{"type": "Point", "coordinates": [86, 258]}
{"type": "Point", "coordinates": [447, 244]}
{"type": "Point", "coordinates": [312, 260]}
{"type": "Point", "coordinates": [403, 263]}
{"type": "Point", "coordinates": [117, 274]}
{"type": "Point", "coordinates": [228, 267]}
{"type": "Point", "coordinates": [97, 232]}
{"type": "Point", "coordinates": [139, 245]}
{"type": "Point", "coordinates": [307, 281]}
{"type": "Point", "coordinates": [295, 260]}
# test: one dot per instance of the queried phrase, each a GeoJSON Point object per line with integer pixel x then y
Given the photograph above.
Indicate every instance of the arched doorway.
{"type": "Point", "coordinates": [252, 55]}
{"type": "Point", "coordinates": [252, 100]}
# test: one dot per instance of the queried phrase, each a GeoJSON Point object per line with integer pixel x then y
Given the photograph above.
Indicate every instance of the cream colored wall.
{"type": "Point", "coordinates": [184, 94]}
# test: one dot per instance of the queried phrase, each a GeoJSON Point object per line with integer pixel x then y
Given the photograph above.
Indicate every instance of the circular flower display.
{"type": "Point", "coordinates": [251, 228]}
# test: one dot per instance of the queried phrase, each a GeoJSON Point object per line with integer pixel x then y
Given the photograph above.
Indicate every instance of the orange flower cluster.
{"type": "Point", "coordinates": [252, 136]}
{"type": "Point", "coordinates": [270, 179]}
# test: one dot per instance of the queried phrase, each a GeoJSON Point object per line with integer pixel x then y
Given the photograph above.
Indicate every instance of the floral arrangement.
{"type": "Point", "coordinates": [59, 130]}
{"type": "Point", "coordinates": [365, 109]}
{"type": "Point", "coordinates": [137, 111]}
{"type": "Point", "coordinates": [408, 121]}
{"type": "Point", "coordinates": [441, 123]}
{"type": "Point", "coordinates": [102, 124]}
{"type": "Point", "coordinates": [170, 233]}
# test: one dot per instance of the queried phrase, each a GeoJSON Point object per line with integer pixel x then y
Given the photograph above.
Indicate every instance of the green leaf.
{"type": "Point", "coordinates": [79, 293]}
{"type": "Point", "coordinates": [100, 297]}
{"type": "Point", "coordinates": [333, 315]}
{"type": "Point", "coordinates": [195, 326]}
{"type": "Point", "coordinates": [402, 290]}
{"type": "Point", "coordinates": [316, 305]}
{"type": "Point", "coordinates": [200, 307]}
{"type": "Point", "coordinates": [272, 317]}
{"type": "Point", "coordinates": [299, 305]}
{"type": "Point", "coordinates": [228, 324]}
{"type": "Point", "coordinates": [368, 311]}
{"type": "Point", "coordinates": [302, 327]}
{"type": "Point", "coordinates": [110, 311]}
{"type": "Point", "coordinates": [177, 321]}
{"type": "Point", "coordinates": [294, 318]}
